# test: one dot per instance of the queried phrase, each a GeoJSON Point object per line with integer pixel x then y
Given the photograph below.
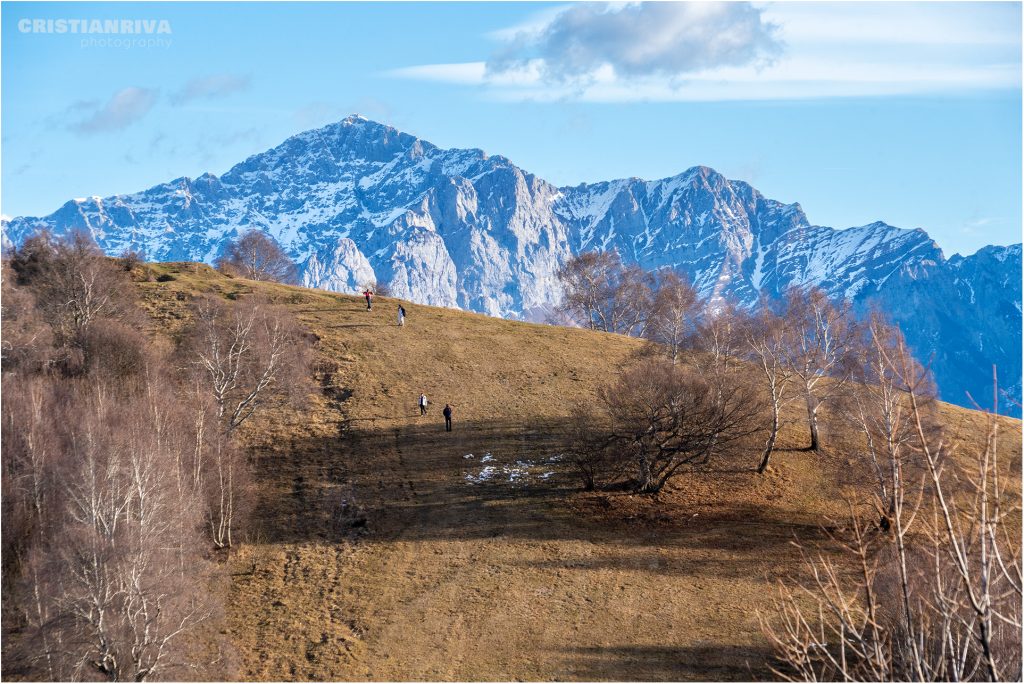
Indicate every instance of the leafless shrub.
{"type": "Point", "coordinates": [661, 417]}
{"type": "Point", "coordinates": [112, 349]}
{"type": "Point", "coordinates": [589, 448]}
{"type": "Point", "coordinates": [73, 282]}
{"type": "Point", "coordinates": [132, 259]}
{"type": "Point", "coordinates": [257, 256]}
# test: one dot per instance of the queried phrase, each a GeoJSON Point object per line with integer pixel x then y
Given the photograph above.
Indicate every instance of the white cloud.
{"type": "Point", "coordinates": [631, 52]}
{"type": "Point", "coordinates": [641, 39]}
{"type": "Point", "coordinates": [210, 87]}
{"type": "Point", "coordinates": [127, 106]}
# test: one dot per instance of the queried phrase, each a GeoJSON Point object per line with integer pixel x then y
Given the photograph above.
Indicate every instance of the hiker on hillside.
{"type": "Point", "coordinates": [401, 316]}
{"type": "Point", "coordinates": [423, 404]}
{"type": "Point", "coordinates": [369, 299]}
{"type": "Point", "coordinates": [447, 417]}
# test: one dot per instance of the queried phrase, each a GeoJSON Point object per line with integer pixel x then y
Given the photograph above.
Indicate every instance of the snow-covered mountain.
{"type": "Point", "coordinates": [359, 202]}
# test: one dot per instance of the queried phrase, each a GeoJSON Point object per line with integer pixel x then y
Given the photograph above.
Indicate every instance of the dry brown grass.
{"type": "Point", "coordinates": [372, 557]}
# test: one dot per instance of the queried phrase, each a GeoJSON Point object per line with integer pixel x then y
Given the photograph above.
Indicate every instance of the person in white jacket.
{"type": "Point", "coordinates": [423, 404]}
{"type": "Point", "coordinates": [401, 315]}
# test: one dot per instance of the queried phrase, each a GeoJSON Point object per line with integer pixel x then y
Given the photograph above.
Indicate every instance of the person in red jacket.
{"type": "Point", "coordinates": [369, 299]}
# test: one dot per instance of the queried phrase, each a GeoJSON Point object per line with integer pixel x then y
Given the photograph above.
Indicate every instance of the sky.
{"type": "Point", "coordinates": [909, 113]}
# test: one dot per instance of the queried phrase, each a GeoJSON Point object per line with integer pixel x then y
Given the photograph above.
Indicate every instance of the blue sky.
{"type": "Point", "coordinates": [904, 112]}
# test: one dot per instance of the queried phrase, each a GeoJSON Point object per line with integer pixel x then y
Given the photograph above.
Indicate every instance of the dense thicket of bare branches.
{"type": "Point", "coordinates": [110, 551]}
{"type": "Point", "coordinates": [937, 592]}
{"type": "Point", "coordinates": [257, 256]}
{"type": "Point", "coordinates": [73, 284]}
{"type": "Point", "coordinates": [659, 417]}
{"type": "Point", "coordinates": [120, 472]}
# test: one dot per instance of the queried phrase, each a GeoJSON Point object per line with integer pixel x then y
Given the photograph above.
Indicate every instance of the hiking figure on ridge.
{"type": "Point", "coordinates": [401, 316]}
{"type": "Point", "coordinates": [369, 299]}
{"type": "Point", "coordinates": [423, 404]}
{"type": "Point", "coordinates": [447, 417]}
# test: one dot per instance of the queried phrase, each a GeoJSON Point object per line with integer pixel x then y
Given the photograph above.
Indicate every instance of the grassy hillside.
{"type": "Point", "coordinates": [378, 551]}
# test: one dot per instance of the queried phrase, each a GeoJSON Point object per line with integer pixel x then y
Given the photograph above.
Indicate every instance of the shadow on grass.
{"type": "Point", "coordinates": [410, 479]}
{"type": "Point", "coordinates": [714, 662]}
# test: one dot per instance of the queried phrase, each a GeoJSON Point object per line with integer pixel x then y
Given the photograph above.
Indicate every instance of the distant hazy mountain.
{"type": "Point", "coordinates": [357, 202]}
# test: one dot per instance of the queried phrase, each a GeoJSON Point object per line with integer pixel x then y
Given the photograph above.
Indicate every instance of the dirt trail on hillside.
{"type": "Point", "coordinates": [460, 577]}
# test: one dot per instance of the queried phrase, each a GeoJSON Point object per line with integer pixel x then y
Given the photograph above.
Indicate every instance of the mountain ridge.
{"type": "Point", "coordinates": [357, 201]}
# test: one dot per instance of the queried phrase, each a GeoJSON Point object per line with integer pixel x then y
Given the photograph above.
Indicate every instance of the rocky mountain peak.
{"type": "Point", "coordinates": [358, 201]}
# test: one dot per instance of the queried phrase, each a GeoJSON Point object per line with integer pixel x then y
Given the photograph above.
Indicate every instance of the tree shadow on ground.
{"type": "Point", "coordinates": [388, 479]}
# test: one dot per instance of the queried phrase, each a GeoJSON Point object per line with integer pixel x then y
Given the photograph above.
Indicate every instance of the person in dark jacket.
{"type": "Point", "coordinates": [401, 315]}
{"type": "Point", "coordinates": [447, 418]}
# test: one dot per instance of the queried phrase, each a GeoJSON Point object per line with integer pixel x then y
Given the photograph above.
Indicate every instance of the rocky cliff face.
{"type": "Point", "coordinates": [359, 202]}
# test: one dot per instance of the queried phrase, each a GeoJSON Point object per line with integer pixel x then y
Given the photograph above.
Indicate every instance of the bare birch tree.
{"type": "Point", "coordinates": [245, 355]}
{"type": "Point", "coordinates": [601, 293]}
{"type": "Point", "coordinates": [819, 350]}
{"type": "Point", "coordinates": [675, 310]}
{"type": "Point", "coordinates": [879, 407]}
{"type": "Point", "coordinates": [767, 339]}
{"type": "Point", "coordinates": [937, 595]}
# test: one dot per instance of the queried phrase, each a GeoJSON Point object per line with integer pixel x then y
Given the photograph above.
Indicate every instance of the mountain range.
{"type": "Point", "coordinates": [359, 202]}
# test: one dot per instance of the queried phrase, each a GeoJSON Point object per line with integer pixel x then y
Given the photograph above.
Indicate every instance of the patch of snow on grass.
{"type": "Point", "coordinates": [486, 474]}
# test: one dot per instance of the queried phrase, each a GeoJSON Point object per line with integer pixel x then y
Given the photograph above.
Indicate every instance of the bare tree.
{"type": "Point", "coordinates": [937, 597]}
{"type": "Point", "coordinates": [819, 352]}
{"type": "Point", "coordinates": [674, 313]}
{"type": "Point", "coordinates": [257, 256]}
{"type": "Point", "coordinates": [249, 353]}
{"type": "Point", "coordinates": [245, 355]}
{"type": "Point", "coordinates": [719, 342]}
{"type": "Point", "coordinates": [661, 417]}
{"type": "Point", "coordinates": [879, 407]}
{"type": "Point", "coordinates": [588, 447]}
{"type": "Point", "coordinates": [601, 293]}
{"type": "Point", "coordinates": [767, 339]}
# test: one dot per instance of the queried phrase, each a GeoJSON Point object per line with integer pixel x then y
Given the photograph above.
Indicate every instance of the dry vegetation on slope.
{"type": "Point", "coordinates": [373, 555]}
